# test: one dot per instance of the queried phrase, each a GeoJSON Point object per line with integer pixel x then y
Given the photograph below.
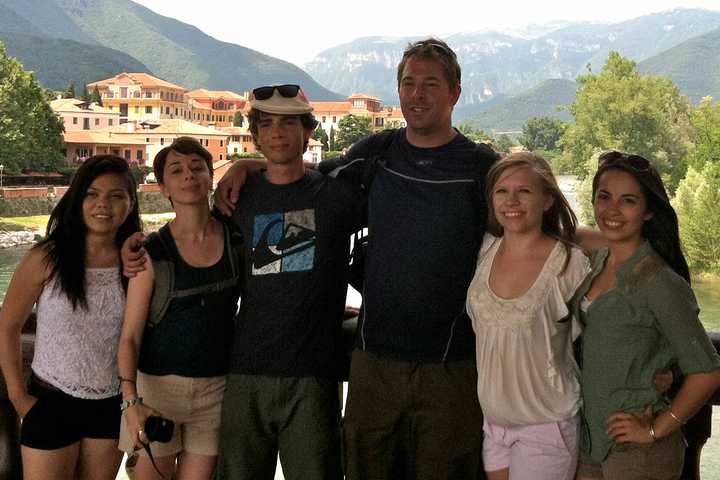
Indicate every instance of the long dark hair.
{"type": "Point", "coordinates": [66, 230]}
{"type": "Point", "coordinates": [661, 230]}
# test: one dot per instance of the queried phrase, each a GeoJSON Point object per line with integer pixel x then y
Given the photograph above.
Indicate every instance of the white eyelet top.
{"type": "Point", "coordinates": [527, 373]}
{"type": "Point", "coordinates": [76, 350]}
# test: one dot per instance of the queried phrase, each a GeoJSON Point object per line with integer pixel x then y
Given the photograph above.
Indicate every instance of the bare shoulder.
{"type": "Point", "coordinates": [34, 266]}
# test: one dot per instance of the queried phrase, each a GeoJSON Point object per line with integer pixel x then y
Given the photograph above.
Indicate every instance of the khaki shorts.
{"type": "Point", "coordinates": [661, 460]}
{"type": "Point", "coordinates": [194, 404]}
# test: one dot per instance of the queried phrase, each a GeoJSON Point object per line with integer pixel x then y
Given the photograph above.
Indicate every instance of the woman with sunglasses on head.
{"type": "Point", "coordinates": [178, 328]}
{"type": "Point", "coordinates": [527, 271]}
{"type": "Point", "coordinates": [70, 415]}
{"type": "Point", "coordinates": [640, 315]}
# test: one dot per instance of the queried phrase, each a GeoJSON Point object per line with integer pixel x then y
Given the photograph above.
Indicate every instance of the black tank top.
{"type": "Point", "coordinates": [195, 336]}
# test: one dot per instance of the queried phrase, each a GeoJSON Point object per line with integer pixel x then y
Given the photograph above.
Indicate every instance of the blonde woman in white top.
{"type": "Point", "coordinates": [527, 271]}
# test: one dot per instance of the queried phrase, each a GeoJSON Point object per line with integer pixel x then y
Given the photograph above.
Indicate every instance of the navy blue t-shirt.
{"type": "Point", "coordinates": [296, 250]}
{"type": "Point", "coordinates": [426, 219]}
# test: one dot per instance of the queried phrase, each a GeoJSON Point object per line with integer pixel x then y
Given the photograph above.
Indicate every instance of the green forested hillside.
{"type": "Point", "coordinates": [512, 113]}
{"type": "Point", "coordinates": [56, 62]}
{"type": "Point", "coordinates": [693, 65]}
{"type": "Point", "coordinates": [45, 18]}
{"type": "Point", "coordinates": [172, 50]}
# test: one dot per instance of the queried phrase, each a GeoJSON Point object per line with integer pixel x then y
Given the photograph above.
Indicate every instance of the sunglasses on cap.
{"type": "Point", "coordinates": [636, 162]}
{"type": "Point", "coordinates": [287, 91]}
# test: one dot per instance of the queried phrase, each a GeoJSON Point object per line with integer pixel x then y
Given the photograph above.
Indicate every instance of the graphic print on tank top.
{"type": "Point", "coordinates": [284, 242]}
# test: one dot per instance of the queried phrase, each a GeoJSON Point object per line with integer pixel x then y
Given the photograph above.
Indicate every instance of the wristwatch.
{"type": "Point", "coordinates": [128, 403]}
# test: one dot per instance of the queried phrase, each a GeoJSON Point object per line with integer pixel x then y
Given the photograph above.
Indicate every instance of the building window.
{"type": "Point", "coordinates": [97, 121]}
{"type": "Point", "coordinates": [324, 119]}
{"type": "Point", "coordinates": [358, 103]}
{"type": "Point", "coordinates": [167, 110]}
{"type": "Point", "coordinates": [221, 156]}
{"type": "Point", "coordinates": [127, 154]}
{"type": "Point", "coordinates": [86, 123]}
{"type": "Point", "coordinates": [148, 94]}
{"type": "Point", "coordinates": [162, 141]}
{"type": "Point", "coordinates": [176, 111]}
{"type": "Point", "coordinates": [379, 122]}
{"type": "Point", "coordinates": [334, 119]}
{"type": "Point", "coordinates": [162, 94]}
{"type": "Point", "coordinates": [110, 122]}
{"type": "Point", "coordinates": [136, 94]}
{"type": "Point", "coordinates": [207, 142]}
{"type": "Point", "coordinates": [221, 143]}
{"type": "Point", "coordinates": [147, 140]}
{"type": "Point", "coordinates": [139, 155]}
{"type": "Point", "coordinates": [123, 92]}
{"type": "Point", "coordinates": [148, 109]}
{"type": "Point", "coordinates": [234, 149]}
{"type": "Point", "coordinates": [75, 121]}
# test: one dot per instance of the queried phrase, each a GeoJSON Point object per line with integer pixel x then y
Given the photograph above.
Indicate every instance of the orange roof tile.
{"type": "Point", "coordinates": [74, 105]}
{"type": "Point", "coordinates": [101, 137]}
{"type": "Point", "coordinates": [340, 107]}
{"type": "Point", "coordinates": [175, 126]}
{"type": "Point", "coordinates": [364, 96]}
{"type": "Point", "coordinates": [215, 94]}
{"type": "Point", "coordinates": [144, 79]}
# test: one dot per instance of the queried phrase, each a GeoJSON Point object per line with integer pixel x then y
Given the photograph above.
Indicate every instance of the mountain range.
{"type": "Point", "coordinates": [170, 49]}
{"type": "Point", "coordinates": [506, 64]}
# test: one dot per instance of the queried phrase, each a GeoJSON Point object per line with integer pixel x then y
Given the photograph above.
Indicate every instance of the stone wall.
{"type": "Point", "coordinates": [25, 206]}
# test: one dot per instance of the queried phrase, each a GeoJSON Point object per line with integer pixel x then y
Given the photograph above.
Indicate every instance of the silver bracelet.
{"type": "Point", "coordinates": [674, 417]}
{"type": "Point", "coordinates": [652, 432]}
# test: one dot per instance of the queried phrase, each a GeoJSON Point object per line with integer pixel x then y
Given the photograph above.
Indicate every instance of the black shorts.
{"type": "Point", "coordinates": [58, 420]}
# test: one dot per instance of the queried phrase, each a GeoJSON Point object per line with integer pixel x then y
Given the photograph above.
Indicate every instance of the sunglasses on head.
{"type": "Point", "coordinates": [437, 46]}
{"type": "Point", "coordinates": [636, 162]}
{"type": "Point", "coordinates": [287, 91]}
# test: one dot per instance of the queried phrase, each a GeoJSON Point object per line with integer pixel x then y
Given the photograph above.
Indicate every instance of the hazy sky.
{"type": "Point", "coordinates": [297, 31]}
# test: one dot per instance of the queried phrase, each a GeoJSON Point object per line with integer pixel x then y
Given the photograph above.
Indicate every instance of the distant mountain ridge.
{"type": "Point", "coordinates": [502, 64]}
{"type": "Point", "coordinates": [56, 62]}
{"type": "Point", "coordinates": [172, 50]}
{"type": "Point", "coordinates": [548, 99]}
{"type": "Point", "coordinates": [694, 66]}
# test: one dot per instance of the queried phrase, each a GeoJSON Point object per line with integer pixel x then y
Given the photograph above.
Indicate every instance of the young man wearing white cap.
{"type": "Point", "coordinates": [282, 393]}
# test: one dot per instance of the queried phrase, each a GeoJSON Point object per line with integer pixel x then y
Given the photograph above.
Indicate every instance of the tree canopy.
{"type": "Point", "coordinates": [542, 133]}
{"type": "Point", "coordinates": [697, 203]}
{"type": "Point", "coordinates": [321, 136]}
{"type": "Point", "coordinates": [621, 109]}
{"type": "Point", "coordinates": [475, 134]}
{"type": "Point", "coordinates": [351, 128]}
{"type": "Point", "coordinates": [30, 132]}
{"type": "Point", "coordinates": [238, 119]}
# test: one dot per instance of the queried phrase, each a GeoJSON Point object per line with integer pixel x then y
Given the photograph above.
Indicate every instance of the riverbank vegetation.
{"type": "Point", "coordinates": [619, 108]}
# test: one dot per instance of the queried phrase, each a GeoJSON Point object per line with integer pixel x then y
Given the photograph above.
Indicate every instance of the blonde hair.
{"type": "Point", "coordinates": [559, 221]}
